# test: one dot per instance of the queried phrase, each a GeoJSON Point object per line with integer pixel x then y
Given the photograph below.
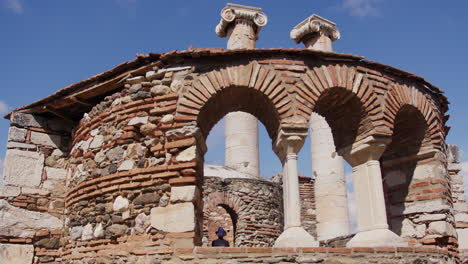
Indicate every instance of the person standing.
{"type": "Point", "coordinates": [220, 242]}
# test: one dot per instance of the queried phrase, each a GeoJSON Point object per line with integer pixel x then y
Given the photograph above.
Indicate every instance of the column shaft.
{"type": "Point", "coordinates": [292, 189]}
{"type": "Point", "coordinates": [241, 150]}
{"type": "Point", "coordinates": [331, 202]}
{"type": "Point", "coordinates": [369, 194]}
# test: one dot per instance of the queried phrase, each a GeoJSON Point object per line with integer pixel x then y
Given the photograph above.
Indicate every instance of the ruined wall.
{"type": "Point", "coordinates": [257, 205]}
{"type": "Point", "coordinates": [460, 206]}
{"type": "Point", "coordinates": [133, 172]}
{"type": "Point", "coordinates": [32, 197]}
{"type": "Point", "coordinates": [307, 196]}
{"type": "Point", "coordinates": [136, 159]}
{"type": "Point", "coordinates": [276, 255]}
{"type": "Point", "coordinates": [417, 202]}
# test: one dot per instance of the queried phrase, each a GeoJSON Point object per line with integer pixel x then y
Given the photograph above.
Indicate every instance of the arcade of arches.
{"type": "Point", "coordinates": [123, 179]}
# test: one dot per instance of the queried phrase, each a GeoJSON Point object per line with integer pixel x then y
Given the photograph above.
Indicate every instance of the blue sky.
{"type": "Point", "coordinates": [47, 45]}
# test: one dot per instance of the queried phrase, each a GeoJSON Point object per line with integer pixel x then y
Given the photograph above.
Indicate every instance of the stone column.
{"type": "Point", "coordinates": [331, 201]}
{"type": "Point", "coordinates": [367, 177]}
{"type": "Point", "coordinates": [241, 25]}
{"type": "Point", "coordinates": [318, 33]}
{"type": "Point", "coordinates": [290, 141]}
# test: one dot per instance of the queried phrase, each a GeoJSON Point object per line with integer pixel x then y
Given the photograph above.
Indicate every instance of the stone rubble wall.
{"type": "Point", "coordinates": [460, 206]}
{"type": "Point", "coordinates": [106, 255]}
{"type": "Point", "coordinates": [135, 170]}
{"type": "Point", "coordinates": [135, 164]}
{"type": "Point", "coordinates": [256, 203]}
{"type": "Point", "coordinates": [418, 202]}
{"type": "Point", "coordinates": [307, 196]}
{"type": "Point", "coordinates": [34, 188]}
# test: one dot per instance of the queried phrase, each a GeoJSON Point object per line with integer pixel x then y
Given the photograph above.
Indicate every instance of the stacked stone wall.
{"type": "Point", "coordinates": [418, 205]}
{"type": "Point", "coordinates": [269, 255]}
{"type": "Point", "coordinates": [257, 205]}
{"type": "Point", "coordinates": [33, 191]}
{"type": "Point", "coordinates": [307, 196]}
{"type": "Point", "coordinates": [136, 159]}
{"type": "Point", "coordinates": [460, 206]}
{"type": "Point", "coordinates": [134, 176]}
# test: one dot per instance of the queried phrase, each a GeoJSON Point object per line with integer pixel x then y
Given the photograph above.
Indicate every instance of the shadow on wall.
{"type": "Point", "coordinates": [399, 163]}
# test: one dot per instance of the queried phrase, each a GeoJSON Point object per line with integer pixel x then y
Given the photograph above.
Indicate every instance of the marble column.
{"type": "Point", "coordinates": [331, 201]}
{"type": "Point", "coordinates": [288, 145]}
{"type": "Point", "coordinates": [370, 203]}
{"type": "Point", "coordinates": [241, 25]}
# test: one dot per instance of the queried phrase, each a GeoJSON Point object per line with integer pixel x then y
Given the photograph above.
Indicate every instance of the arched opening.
{"type": "Point", "coordinates": [345, 115]}
{"type": "Point", "coordinates": [220, 216]}
{"type": "Point", "coordinates": [340, 121]}
{"type": "Point", "coordinates": [261, 199]}
{"type": "Point", "coordinates": [399, 163]}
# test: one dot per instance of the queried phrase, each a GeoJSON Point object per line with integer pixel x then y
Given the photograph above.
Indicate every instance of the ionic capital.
{"type": "Point", "coordinates": [249, 14]}
{"type": "Point", "coordinates": [315, 24]}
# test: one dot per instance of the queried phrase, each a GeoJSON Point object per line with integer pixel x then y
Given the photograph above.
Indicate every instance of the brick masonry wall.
{"type": "Point", "coordinates": [256, 205]}
{"type": "Point", "coordinates": [137, 157]}
{"type": "Point", "coordinates": [267, 255]}
{"type": "Point", "coordinates": [307, 197]}
{"type": "Point", "coordinates": [32, 197]}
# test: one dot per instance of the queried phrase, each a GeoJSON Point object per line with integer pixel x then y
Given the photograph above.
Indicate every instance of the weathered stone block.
{"type": "Point", "coordinates": [11, 145]}
{"type": "Point", "coordinates": [87, 233]}
{"type": "Point", "coordinates": [174, 218]}
{"type": "Point", "coordinates": [45, 139]}
{"type": "Point", "coordinates": [120, 204]}
{"type": "Point", "coordinates": [126, 165]}
{"type": "Point", "coordinates": [18, 222]}
{"type": "Point", "coordinates": [55, 174]}
{"type": "Point", "coordinates": [23, 168]}
{"type": "Point", "coordinates": [26, 120]}
{"type": "Point", "coordinates": [147, 198]}
{"type": "Point", "coordinates": [138, 120]}
{"type": "Point", "coordinates": [17, 134]}
{"type": "Point", "coordinates": [462, 238]}
{"type": "Point", "coordinates": [16, 254]}
{"type": "Point", "coordinates": [97, 142]}
{"type": "Point", "coordinates": [189, 154]}
{"type": "Point", "coordinates": [184, 193]}
{"type": "Point", "coordinates": [441, 228]}
{"type": "Point", "coordinates": [9, 191]}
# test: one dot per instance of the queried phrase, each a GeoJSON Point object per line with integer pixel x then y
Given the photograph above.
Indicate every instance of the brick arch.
{"type": "Point", "coordinates": [334, 89]}
{"type": "Point", "coordinates": [261, 84]}
{"type": "Point", "coordinates": [230, 203]}
{"type": "Point", "coordinates": [222, 198]}
{"type": "Point", "coordinates": [401, 95]}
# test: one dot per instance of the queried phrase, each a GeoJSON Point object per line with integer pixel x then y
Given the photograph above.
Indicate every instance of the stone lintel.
{"type": "Point", "coordinates": [314, 24]}
{"type": "Point", "coordinates": [247, 13]}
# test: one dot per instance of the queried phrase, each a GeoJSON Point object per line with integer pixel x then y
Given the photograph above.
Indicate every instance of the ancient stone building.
{"type": "Point", "coordinates": [111, 169]}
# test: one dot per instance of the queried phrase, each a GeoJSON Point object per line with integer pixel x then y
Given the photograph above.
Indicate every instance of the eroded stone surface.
{"type": "Point", "coordinates": [23, 223]}
{"type": "Point", "coordinates": [174, 217]}
{"type": "Point", "coordinates": [184, 194]}
{"type": "Point", "coordinates": [23, 168]}
{"type": "Point", "coordinates": [16, 254]}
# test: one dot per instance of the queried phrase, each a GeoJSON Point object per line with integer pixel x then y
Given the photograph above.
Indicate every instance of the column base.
{"type": "Point", "coordinates": [377, 238]}
{"type": "Point", "coordinates": [295, 237]}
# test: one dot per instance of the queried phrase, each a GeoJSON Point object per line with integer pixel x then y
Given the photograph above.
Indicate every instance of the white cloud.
{"type": "Point", "coordinates": [3, 108]}
{"type": "Point", "coordinates": [16, 6]}
{"type": "Point", "coordinates": [361, 8]}
{"type": "Point", "coordinates": [464, 173]}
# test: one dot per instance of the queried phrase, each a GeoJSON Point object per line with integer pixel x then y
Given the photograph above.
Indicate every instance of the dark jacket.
{"type": "Point", "coordinates": [220, 243]}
